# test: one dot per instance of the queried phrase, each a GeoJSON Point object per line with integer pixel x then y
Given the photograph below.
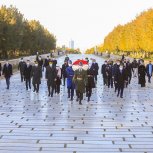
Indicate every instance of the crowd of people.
{"type": "Point", "coordinates": [116, 74]}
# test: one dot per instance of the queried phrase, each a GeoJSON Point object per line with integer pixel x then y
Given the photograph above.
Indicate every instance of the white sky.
{"type": "Point", "coordinates": [87, 22]}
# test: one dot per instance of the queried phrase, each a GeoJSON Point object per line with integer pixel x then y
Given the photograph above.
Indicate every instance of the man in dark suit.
{"type": "Point", "coordinates": [51, 75]}
{"type": "Point", "coordinates": [115, 70]}
{"type": "Point", "coordinates": [7, 72]}
{"type": "Point", "coordinates": [21, 67]}
{"type": "Point", "coordinates": [149, 70]}
{"type": "Point", "coordinates": [27, 74]}
{"type": "Point", "coordinates": [103, 72]}
{"type": "Point", "coordinates": [109, 74]}
{"type": "Point", "coordinates": [121, 78]}
{"type": "Point", "coordinates": [36, 75]}
{"type": "Point", "coordinates": [129, 69]}
{"type": "Point", "coordinates": [95, 69]}
{"type": "Point", "coordinates": [90, 82]}
{"type": "Point", "coordinates": [64, 66]}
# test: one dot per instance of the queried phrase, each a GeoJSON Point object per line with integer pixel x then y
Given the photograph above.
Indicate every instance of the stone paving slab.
{"type": "Point", "coordinates": [32, 123]}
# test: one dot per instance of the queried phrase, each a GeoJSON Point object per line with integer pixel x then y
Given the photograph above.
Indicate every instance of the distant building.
{"type": "Point", "coordinates": [71, 44]}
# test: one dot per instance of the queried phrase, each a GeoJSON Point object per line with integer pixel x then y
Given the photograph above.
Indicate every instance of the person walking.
{"type": "Point", "coordinates": [80, 80]}
{"type": "Point", "coordinates": [95, 68]}
{"type": "Point", "coordinates": [90, 82]}
{"type": "Point", "coordinates": [135, 67]}
{"type": "Point", "coordinates": [149, 69]}
{"type": "Point", "coordinates": [121, 80]}
{"type": "Point", "coordinates": [70, 83]}
{"type": "Point", "coordinates": [103, 72]}
{"type": "Point", "coordinates": [58, 80]}
{"type": "Point", "coordinates": [51, 75]}
{"type": "Point", "coordinates": [7, 72]}
{"type": "Point", "coordinates": [115, 71]}
{"type": "Point", "coordinates": [36, 75]}
{"type": "Point", "coordinates": [27, 74]}
{"type": "Point", "coordinates": [21, 67]}
{"type": "Point", "coordinates": [64, 66]}
{"type": "Point", "coordinates": [142, 74]}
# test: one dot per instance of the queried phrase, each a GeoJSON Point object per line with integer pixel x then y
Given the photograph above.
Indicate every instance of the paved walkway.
{"type": "Point", "coordinates": [31, 123]}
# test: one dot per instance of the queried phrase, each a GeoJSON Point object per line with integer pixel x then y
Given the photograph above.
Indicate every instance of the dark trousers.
{"type": "Point", "coordinates": [70, 92]}
{"type": "Point", "coordinates": [57, 88]}
{"type": "Point", "coordinates": [95, 77]}
{"type": "Point", "coordinates": [120, 90]}
{"type": "Point", "coordinates": [79, 95]}
{"type": "Point", "coordinates": [7, 82]}
{"type": "Point", "coordinates": [51, 90]}
{"type": "Point", "coordinates": [149, 78]}
{"type": "Point", "coordinates": [104, 80]}
{"type": "Point", "coordinates": [110, 81]}
{"type": "Point", "coordinates": [36, 87]}
{"type": "Point", "coordinates": [64, 78]}
{"type": "Point", "coordinates": [88, 91]}
{"type": "Point", "coordinates": [22, 76]}
{"type": "Point", "coordinates": [116, 86]}
{"type": "Point", "coordinates": [28, 83]}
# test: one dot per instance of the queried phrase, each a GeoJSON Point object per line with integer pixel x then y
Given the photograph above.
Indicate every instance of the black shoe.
{"type": "Point", "coordinates": [117, 95]}
{"type": "Point", "coordinates": [121, 96]}
{"type": "Point", "coordinates": [71, 99]}
{"type": "Point", "coordinates": [88, 99]}
{"type": "Point", "coordinates": [77, 99]}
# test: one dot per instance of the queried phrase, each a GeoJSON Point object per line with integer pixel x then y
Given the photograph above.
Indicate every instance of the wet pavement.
{"type": "Point", "coordinates": [32, 123]}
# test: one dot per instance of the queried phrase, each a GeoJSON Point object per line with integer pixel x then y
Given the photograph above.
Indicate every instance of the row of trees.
{"type": "Point", "coordinates": [19, 37]}
{"type": "Point", "coordinates": [134, 38]}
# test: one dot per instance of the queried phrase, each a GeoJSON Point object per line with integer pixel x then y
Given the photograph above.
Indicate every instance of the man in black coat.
{"type": "Point", "coordinates": [95, 69]}
{"type": "Point", "coordinates": [36, 75]}
{"type": "Point", "coordinates": [21, 67]}
{"type": "Point", "coordinates": [90, 82]}
{"type": "Point", "coordinates": [51, 75]}
{"type": "Point", "coordinates": [109, 74]}
{"type": "Point", "coordinates": [115, 70]}
{"type": "Point", "coordinates": [121, 78]}
{"type": "Point", "coordinates": [7, 72]}
{"type": "Point", "coordinates": [64, 66]}
{"type": "Point", "coordinates": [103, 72]}
{"type": "Point", "coordinates": [142, 74]}
{"type": "Point", "coordinates": [129, 70]}
{"type": "Point", "coordinates": [27, 74]}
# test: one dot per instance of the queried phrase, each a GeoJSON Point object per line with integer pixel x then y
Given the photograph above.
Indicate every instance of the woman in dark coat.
{"type": "Point", "coordinates": [90, 83]}
{"type": "Point", "coordinates": [70, 83]}
{"type": "Point", "coordinates": [142, 74]}
{"type": "Point", "coordinates": [58, 80]}
{"type": "Point", "coordinates": [36, 75]}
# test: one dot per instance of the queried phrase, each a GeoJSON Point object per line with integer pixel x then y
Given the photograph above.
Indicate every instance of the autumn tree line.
{"type": "Point", "coordinates": [20, 37]}
{"type": "Point", "coordinates": [134, 38]}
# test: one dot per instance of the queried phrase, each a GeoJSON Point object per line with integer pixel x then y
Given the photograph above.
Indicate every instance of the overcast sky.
{"type": "Point", "coordinates": [87, 22]}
